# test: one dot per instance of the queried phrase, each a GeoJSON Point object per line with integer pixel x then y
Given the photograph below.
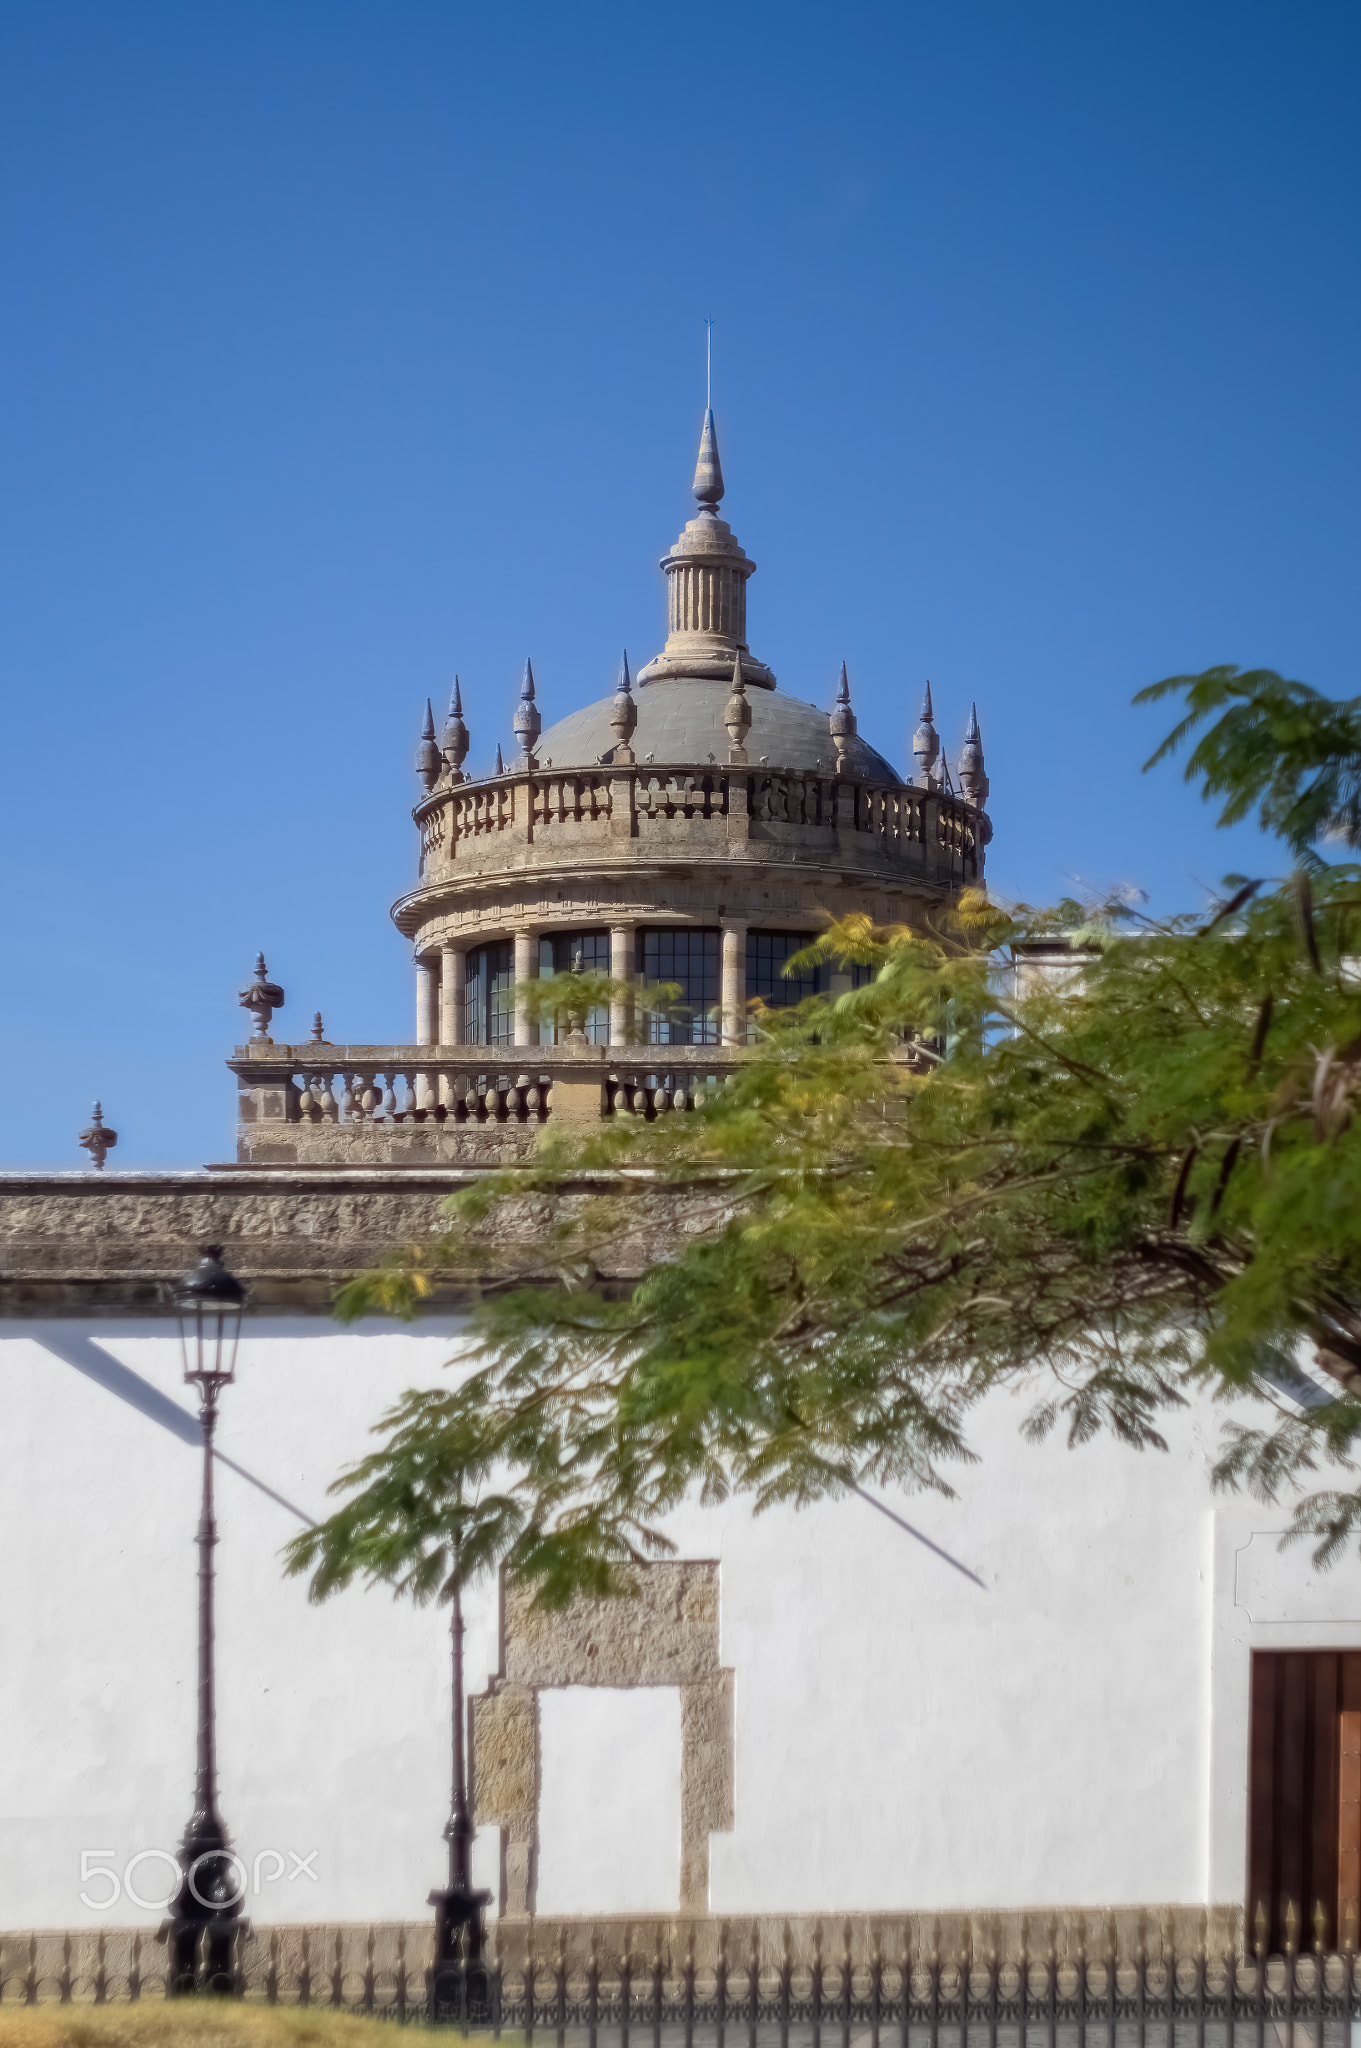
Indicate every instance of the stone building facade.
{"type": "Point", "coordinates": [1021, 1708]}
{"type": "Point", "coordinates": [695, 830]}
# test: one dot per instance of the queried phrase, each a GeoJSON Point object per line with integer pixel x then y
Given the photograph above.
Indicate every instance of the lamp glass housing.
{"type": "Point", "coordinates": [210, 1302]}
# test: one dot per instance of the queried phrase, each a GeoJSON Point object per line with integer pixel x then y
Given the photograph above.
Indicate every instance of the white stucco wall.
{"type": "Point", "coordinates": [332, 1721]}
{"type": "Point", "coordinates": [1071, 1732]}
{"type": "Point", "coordinates": [610, 1812]}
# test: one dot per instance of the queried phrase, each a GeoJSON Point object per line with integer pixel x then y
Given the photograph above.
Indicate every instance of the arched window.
{"type": "Point", "coordinates": [489, 995]}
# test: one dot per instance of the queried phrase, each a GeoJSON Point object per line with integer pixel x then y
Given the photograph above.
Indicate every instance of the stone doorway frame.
{"type": "Point", "coordinates": [667, 1634]}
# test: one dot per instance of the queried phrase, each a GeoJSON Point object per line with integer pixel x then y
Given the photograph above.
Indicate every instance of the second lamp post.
{"type": "Point", "coordinates": [205, 1912]}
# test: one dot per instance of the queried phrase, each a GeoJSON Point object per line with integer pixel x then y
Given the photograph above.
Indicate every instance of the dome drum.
{"type": "Point", "coordinates": [613, 819]}
{"type": "Point", "coordinates": [694, 830]}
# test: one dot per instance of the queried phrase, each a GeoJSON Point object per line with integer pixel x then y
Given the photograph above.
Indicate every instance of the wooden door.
{"type": "Point", "coordinates": [1304, 1794]}
{"type": "Point", "coordinates": [1349, 1827]}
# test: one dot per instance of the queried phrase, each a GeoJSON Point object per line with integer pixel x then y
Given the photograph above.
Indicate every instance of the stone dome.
{"type": "Point", "coordinates": [680, 724]}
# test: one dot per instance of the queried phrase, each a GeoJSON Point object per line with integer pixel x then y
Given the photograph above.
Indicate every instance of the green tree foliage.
{"type": "Point", "coordinates": [1133, 1172]}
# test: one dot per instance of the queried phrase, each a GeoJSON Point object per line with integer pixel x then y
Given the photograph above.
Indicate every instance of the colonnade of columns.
{"type": "Point", "coordinates": [440, 979]}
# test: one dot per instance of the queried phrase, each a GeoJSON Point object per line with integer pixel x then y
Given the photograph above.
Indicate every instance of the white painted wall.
{"type": "Point", "coordinates": [1071, 1732]}
{"type": "Point", "coordinates": [333, 1721]}
{"type": "Point", "coordinates": [610, 1813]}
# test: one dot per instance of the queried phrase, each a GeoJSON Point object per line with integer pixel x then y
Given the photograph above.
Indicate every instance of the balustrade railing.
{"type": "Point", "coordinates": [387, 1088]}
{"type": "Point", "coordinates": [908, 824]}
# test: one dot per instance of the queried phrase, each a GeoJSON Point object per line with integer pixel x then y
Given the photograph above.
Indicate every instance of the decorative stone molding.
{"type": "Point", "coordinates": [80, 1244]}
{"type": "Point", "coordinates": [665, 1634]}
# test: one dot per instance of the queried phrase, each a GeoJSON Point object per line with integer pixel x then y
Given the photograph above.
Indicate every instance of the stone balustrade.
{"type": "Point", "coordinates": [320, 1104]}
{"type": "Point", "coordinates": [902, 828]}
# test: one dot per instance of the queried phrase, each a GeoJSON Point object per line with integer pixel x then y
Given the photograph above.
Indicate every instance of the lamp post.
{"type": "Point", "coordinates": [458, 1978]}
{"type": "Point", "coordinates": [205, 1912]}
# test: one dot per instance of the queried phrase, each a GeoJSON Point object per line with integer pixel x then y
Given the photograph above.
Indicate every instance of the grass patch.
{"type": "Point", "coordinates": [214, 2023]}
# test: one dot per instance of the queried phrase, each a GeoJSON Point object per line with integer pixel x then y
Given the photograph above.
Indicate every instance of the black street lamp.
{"type": "Point", "coordinates": [458, 1980]}
{"type": "Point", "coordinates": [205, 1913]}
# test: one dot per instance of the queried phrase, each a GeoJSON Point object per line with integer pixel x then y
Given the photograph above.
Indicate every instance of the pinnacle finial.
{"type": "Point", "coordinates": [623, 713]}
{"type": "Point", "coordinates": [708, 484]}
{"type": "Point", "coordinates": [427, 753]}
{"type": "Point", "coordinates": [973, 777]}
{"type": "Point", "coordinates": [318, 1028]}
{"type": "Point", "coordinates": [262, 998]}
{"type": "Point", "coordinates": [527, 723]}
{"type": "Point", "coordinates": [454, 738]}
{"type": "Point", "coordinates": [737, 715]}
{"type": "Point", "coordinates": [926, 741]}
{"type": "Point", "coordinates": [841, 722]}
{"type": "Point", "coordinates": [500, 766]}
{"type": "Point", "coordinates": [98, 1140]}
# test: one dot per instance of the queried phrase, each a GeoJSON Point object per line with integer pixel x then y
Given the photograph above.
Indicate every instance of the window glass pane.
{"type": "Point", "coordinates": [557, 953]}
{"type": "Point", "coordinates": [489, 995]}
{"type": "Point", "coordinates": [692, 959]}
{"type": "Point", "coordinates": [766, 978]}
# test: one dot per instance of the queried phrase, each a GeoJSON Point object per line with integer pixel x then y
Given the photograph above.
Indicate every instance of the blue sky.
{"type": "Point", "coordinates": [346, 346]}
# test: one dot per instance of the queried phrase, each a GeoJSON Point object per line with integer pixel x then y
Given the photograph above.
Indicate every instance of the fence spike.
{"type": "Point", "coordinates": [1320, 1924]}
{"type": "Point", "coordinates": [1260, 1926]}
{"type": "Point", "coordinates": [1292, 1927]}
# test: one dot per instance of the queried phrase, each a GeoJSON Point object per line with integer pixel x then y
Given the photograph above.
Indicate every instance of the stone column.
{"type": "Point", "coordinates": [623, 966]}
{"type": "Point", "coordinates": [452, 959]}
{"type": "Point", "coordinates": [734, 982]}
{"type": "Point", "coordinates": [427, 996]}
{"type": "Point", "coordinates": [427, 1017]}
{"type": "Point", "coordinates": [526, 970]}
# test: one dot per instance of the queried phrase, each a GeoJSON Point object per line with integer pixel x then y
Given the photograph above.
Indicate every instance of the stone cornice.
{"type": "Point", "coordinates": [106, 1244]}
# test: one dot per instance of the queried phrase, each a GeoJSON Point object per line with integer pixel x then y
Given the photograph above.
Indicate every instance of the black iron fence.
{"type": "Point", "coordinates": [896, 1997]}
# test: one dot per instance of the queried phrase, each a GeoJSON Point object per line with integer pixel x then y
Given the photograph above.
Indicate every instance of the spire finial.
{"type": "Point", "coordinates": [842, 722]}
{"type": "Point", "coordinates": [500, 766]}
{"type": "Point", "coordinates": [737, 716]}
{"type": "Point", "coordinates": [454, 738]}
{"type": "Point", "coordinates": [527, 723]}
{"type": "Point", "coordinates": [973, 777]}
{"type": "Point", "coordinates": [427, 753]}
{"type": "Point", "coordinates": [262, 998]}
{"type": "Point", "coordinates": [709, 366]}
{"type": "Point", "coordinates": [623, 714]}
{"type": "Point", "coordinates": [926, 741]}
{"type": "Point", "coordinates": [708, 484]}
{"type": "Point", "coordinates": [98, 1140]}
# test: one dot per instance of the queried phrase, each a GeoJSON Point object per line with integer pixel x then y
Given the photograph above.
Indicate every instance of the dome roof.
{"type": "Point", "coordinates": [680, 724]}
